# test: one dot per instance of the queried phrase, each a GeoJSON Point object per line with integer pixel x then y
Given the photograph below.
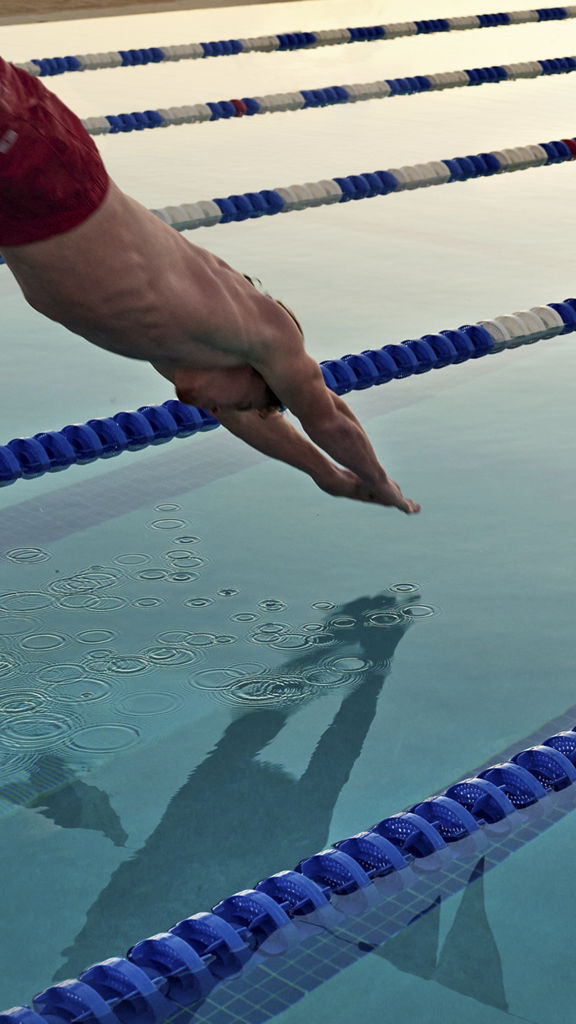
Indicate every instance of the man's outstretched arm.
{"type": "Point", "coordinates": [275, 436]}
{"type": "Point", "coordinates": [329, 423]}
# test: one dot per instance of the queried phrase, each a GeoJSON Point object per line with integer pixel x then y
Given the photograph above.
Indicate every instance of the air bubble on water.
{"type": "Point", "coordinates": [20, 702]}
{"type": "Point", "coordinates": [404, 588]}
{"type": "Point", "coordinates": [95, 636]}
{"type": "Point", "coordinates": [15, 626]}
{"type": "Point", "coordinates": [25, 601]}
{"type": "Point", "coordinates": [201, 640]}
{"type": "Point", "coordinates": [291, 641]}
{"type": "Point", "coordinates": [43, 641]}
{"type": "Point", "coordinates": [419, 611]}
{"type": "Point", "coordinates": [350, 664]}
{"type": "Point", "coordinates": [60, 673]}
{"type": "Point", "coordinates": [173, 636]}
{"type": "Point", "coordinates": [149, 702]}
{"type": "Point", "coordinates": [263, 692]}
{"type": "Point", "coordinates": [323, 606]}
{"type": "Point", "coordinates": [27, 555]}
{"type": "Point", "coordinates": [132, 558]}
{"type": "Point", "coordinates": [272, 604]}
{"type": "Point", "coordinates": [385, 619]}
{"type": "Point", "coordinates": [126, 664]}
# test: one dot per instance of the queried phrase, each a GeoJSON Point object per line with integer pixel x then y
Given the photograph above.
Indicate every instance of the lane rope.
{"type": "Point", "coordinates": [267, 202]}
{"type": "Point", "coordinates": [331, 95]}
{"type": "Point", "coordinates": [285, 41]}
{"type": "Point", "coordinates": [51, 451]}
{"type": "Point", "coordinates": [180, 967]}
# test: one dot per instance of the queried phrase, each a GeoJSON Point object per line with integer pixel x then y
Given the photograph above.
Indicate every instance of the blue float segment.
{"type": "Point", "coordinates": [423, 353]}
{"type": "Point", "coordinates": [383, 365]}
{"type": "Point", "coordinates": [449, 817]}
{"type": "Point", "coordinates": [551, 13]}
{"type": "Point", "coordinates": [252, 105]}
{"type": "Point", "coordinates": [485, 800]}
{"type": "Point", "coordinates": [110, 435]}
{"type": "Point", "coordinates": [31, 456]}
{"type": "Point", "coordinates": [188, 979]}
{"type": "Point", "coordinates": [137, 429]}
{"type": "Point", "coordinates": [367, 34]}
{"type": "Point", "coordinates": [163, 425]}
{"type": "Point", "coordinates": [140, 999]}
{"type": "Point", "coordinates": [433, 25]}
{"type": "Point", "coordinates": [552, 769]}
{"type": "Point", "coordinates": [336, 870]}
{"type": "Point", "coordinates": [20, 1015]}
{"type": "Point", "coordinates": [296, 40]}
{"type": "Point", "coordinates": [568, 314]}
{"type": "Point", "coordinates": [519, 785]}
{"type": "Point", "coordinates": [364, 369]}
{"type": "Point", "coordinates": [411, 833]}
{"type": "Point", "coordinates": [64, 1003]}
{"type": "Point", "coordinates": [296, 893]}
{"type": "Point", "coordinates": [444, 350]}
{"type": "Point", "coordinates": [375, 854]}
{"type": "Point", "coordinates": [255, 911]}
{"type": "Point", "coordinates": [84, 441]}
{"type": "Point", "coordinates": [403, 358]}
{"type": "Point", "coordinates": [565, 742]}
{"type": "Point", "coordinates": [210, 935]}
{"type": "Point", "coordinates": [58, 449]}
{"type": "Point", "coordinates": [338, 376]}
{"type": "Point", "coordinates": [461, 343]}
{"type": "Point", "coordinates": [493, 20]}
{"type": "Point", "coordinates": [481, 338]}
{"type": "Point", "coordinates": [188, 419]}
{"type": "Point", "coordinates": [10, 468]}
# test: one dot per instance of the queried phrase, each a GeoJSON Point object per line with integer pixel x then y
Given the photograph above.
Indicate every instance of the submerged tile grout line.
{"type": "Point", "coordinates": [287, 41]}
{"type": "Point", "coordinates": [102, 438]}
{"type": "Point", "coordinates": [331, 897]}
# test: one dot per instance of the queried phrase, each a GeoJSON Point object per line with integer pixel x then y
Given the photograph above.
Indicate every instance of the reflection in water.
{"type": "Point", "coordinates": [238, 819]}
{"type": "Point", "coordinates": [469, 961]}
{"type": "Point", "coordinates": [72, 805]}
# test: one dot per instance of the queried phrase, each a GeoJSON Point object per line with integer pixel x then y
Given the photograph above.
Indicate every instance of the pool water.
{"type": "Point", "coordinates": [210, 669]}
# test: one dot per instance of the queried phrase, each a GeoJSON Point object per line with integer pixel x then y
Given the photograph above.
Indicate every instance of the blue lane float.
{"type": "Point", "coordinates": [181, 967]}
{"type": "Point", "coordinates": [55, 450]}
{"type": "Point", "coordinates": [331, 95]}
{"type": "Point", "coordinates": [286, 41]}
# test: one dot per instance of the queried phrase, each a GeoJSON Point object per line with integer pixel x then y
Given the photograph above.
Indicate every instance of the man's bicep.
{"type": "Point", "coordinates": [297, 381]}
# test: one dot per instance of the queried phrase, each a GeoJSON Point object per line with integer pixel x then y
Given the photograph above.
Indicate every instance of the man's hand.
{"type": "Point", "coordinates": [342, 483]}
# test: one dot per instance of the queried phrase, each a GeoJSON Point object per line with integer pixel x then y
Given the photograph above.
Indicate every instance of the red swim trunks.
{"type": "Point", "coordinates": [51, 174]}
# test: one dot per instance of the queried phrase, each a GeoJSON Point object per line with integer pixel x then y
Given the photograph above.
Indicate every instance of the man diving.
{"type": "Point", "coordinates": [89, 257]}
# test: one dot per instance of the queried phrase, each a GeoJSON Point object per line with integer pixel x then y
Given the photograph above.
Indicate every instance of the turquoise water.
{"type": "Point", "coordinates": [210, 669]}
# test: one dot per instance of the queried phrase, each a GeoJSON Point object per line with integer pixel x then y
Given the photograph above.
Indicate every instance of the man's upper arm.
{"type": "Point", "coordinates": [297, 381]}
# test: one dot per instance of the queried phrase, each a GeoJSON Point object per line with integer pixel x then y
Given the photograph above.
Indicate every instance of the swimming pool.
{"type": "Point", "coordinates": [152, 789]}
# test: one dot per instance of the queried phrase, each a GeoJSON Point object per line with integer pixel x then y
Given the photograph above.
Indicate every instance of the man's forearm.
{"type": "Point", "coordinates": [342, 437]}
{"type": "Point", "coordinates": [276, 437]}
